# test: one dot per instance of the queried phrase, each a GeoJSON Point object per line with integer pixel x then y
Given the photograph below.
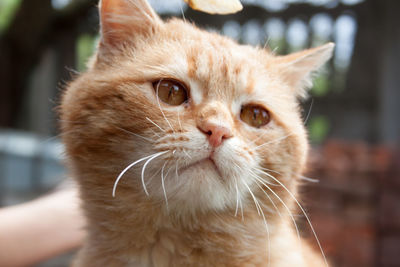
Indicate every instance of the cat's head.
{"type": "Point", "coordinates": [207, 122]}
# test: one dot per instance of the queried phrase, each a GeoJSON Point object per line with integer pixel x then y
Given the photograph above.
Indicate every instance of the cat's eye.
{"type": "Point", "coordinates": [255, 115]}
{"type": "Point", "coordinates": [171, 92]}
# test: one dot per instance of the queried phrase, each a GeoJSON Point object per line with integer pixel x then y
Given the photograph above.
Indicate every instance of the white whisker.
{"type": "Point", "coordinates": [138, 135]}
{"type": "Point", "coordinates": [163, 184]}
{"type": "Point", "coordinates": [266, 42]}
{"type": "Point", "coordinates": [156, 134]}
{"type": "Point", "coordinates": [183, 14]}
{"type": "Point", "coordinates": [309, 111]}
{"type": "Point", "coordinates": [258, 138]}
{"type": "Point", "coordinates": [179, 121]}
{"type": "Point", "coordinates": [187, 154]}
{"type": "Point", "coordinates": [261, 213]}
{"type": "Point", "coordinates": [125, 170]}
{"type": "Point", "coordinates": [241, 209]}
{"type": "Point", "coordinates": [155, 124]}
{"type": "Point", "coordinates": [273, 52]}
{"type": "Point", "coordinates": [269, 198]}
{"type": "Point", "coordinates": [176, 171]}
{"type": "Point", "coordinates": [308, 179]}
{"type": "Point", "coordinates": [144, 168]}
{"type": "Point", "coordinates": [305, 214]}
{"type": "Point", "coordinates": [237, 198]}
{"type": "Point", "coordinates": [283, 203]}
{"type": "Point", "coordinates": [49, 139]}
{"type": "Point", "coordinates": [162, 112]}
{"type": "Point", "coordinates": [269, 170]}
{"type": "Point", "coordinates": [273, 141]}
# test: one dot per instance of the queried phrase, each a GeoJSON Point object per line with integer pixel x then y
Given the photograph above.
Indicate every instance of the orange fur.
{"type": "Point", "coordinates": [111, 117]}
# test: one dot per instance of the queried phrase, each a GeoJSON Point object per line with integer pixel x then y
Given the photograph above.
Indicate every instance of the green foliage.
{"type": "Point", "coordinates": [7, 11]}
{"type": "Point", "coordinates": [318, 129]}
{"type": "Point", "coordinates": [85, 47]}
{"type": "Point", "coordinates": [321, 86]}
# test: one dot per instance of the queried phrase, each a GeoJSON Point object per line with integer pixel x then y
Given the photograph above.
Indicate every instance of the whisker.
{"type": "Point", "coordinates": [183, 14]}
{"type": "Point", "coordinates": [241, 209]}
{"type": "Point", "coordinates": [258, 138]}
{"type": "Point", "coordinates": [155, 124]}
{"type": "Point", "coordinates": [269, 198]}
{"type": "Point", "coordinates": [264, 170]}
{"type": "Point", "coordinates": [51, 138]}
{"type": "Point", "coordinates": [138, 135]}
{"type": "Point", "coordinates": [273, 52]}
{"type": "Point", "coordinates": [156, 134]}
{"type": "Point", "coordinates": [144, 168]}
{"type": "Point", "coordinates": [269, 170]}
{"type": "Point", "coordinates": [166, 175]}
{"type": "Point", "coordinates": [179, 121]}
{"type": "Point", "coordinates": [163, 184]}
{"type": "Point", "coordinates": [283, 203]}
{"type": "Point", "coordinates": [125, 170]}
{"type": "Point", "coordinates": [308, 179]}
{"type": "Point", "coordinates": [162, 112]}
{"type": "Point", "coordinates": [273, 141]}
{"type": "Point", "coordinates": [187, 154]}
{"type": "Point", "coordinates": [237, 198]}
{"type": "Point", "coordinates": [266, 42]}
{"type": "Point", "coordinates": [309, 111]}
{"type": "Point", "coordinates": [153, 175]}
{"type": "Point", "coordinates": [261, 213]}
{"type": "Point", "coordinates": [176, 170]}
{"type": "Point", "coordinates": [305, 214]}
{"type": "Point", "coordinates": [254, 198]}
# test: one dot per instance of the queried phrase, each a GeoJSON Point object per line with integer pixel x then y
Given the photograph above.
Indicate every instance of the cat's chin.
{"type": "Point", "coordinates": [206, 165]}
{"type": "Point", "coordinates": [199, 186]}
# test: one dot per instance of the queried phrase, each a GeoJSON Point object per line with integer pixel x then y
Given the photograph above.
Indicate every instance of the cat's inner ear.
{"type": "Point", "coordinates": [124, 20]}
{"type": "Point", "coordinates": [297, 68]}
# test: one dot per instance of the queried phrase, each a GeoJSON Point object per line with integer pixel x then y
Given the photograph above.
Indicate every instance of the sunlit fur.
{"type": "Point", "coordinates": [174, 206]}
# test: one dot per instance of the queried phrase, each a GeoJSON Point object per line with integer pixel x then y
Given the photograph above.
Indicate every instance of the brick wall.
{"type": "Point", "coordinates": [355, 206]}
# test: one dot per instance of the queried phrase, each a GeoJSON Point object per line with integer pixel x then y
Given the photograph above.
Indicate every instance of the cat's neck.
{"type": "Point", "coordinates": [147, 228]}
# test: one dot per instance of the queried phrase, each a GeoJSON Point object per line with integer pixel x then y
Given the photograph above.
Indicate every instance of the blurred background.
{"type": "Point", "coordinates": [352, 114]}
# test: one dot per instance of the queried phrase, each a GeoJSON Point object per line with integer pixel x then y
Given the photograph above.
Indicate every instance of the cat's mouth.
{"type": "Point", "coordinates": [205, 163]}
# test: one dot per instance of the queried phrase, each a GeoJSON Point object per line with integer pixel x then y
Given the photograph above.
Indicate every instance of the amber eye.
{"type": "Point", "coordinates": [254, 115]}
{"type": "Point", "coordinates": [171, 92]}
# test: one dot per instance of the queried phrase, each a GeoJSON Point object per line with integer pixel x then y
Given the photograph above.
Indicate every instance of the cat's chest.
{"type": "Point", "coordinates": [200, 248]}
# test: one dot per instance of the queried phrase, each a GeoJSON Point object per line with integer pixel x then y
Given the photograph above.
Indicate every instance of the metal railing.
{"type": "Point", "coordinates": [29, 166]}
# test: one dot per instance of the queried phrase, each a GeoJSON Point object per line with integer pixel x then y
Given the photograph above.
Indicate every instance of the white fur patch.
{"type": "Point", "coordinates": [196, 93]}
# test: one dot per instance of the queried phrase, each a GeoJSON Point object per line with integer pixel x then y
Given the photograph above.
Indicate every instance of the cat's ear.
{"type": "Point", "coordinates": [122, 21]}
{"type": "Point", "coordinates": [297, 68]}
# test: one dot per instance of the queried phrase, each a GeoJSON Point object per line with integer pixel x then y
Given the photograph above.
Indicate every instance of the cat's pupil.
{"type": "Point", "coordinates": [172, 89]}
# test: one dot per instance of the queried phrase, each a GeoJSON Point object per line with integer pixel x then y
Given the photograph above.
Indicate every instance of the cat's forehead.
{"type": "Point", "coordinates": [224, 70]}
{"type": "Point", "coordinates": [216, 66]}
{"type": "Point", "coordinates": [212, 66]}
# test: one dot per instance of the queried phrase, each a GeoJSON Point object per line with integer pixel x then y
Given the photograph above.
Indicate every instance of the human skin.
{"type": "Point", "coordinates": [40, 229]}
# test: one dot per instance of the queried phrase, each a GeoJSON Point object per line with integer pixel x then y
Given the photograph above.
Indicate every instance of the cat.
{"type": "Point", "coordinates": [187, 147]}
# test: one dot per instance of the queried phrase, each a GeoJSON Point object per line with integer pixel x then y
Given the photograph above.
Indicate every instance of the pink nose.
{"type": "Point", "coordinates": [216, 133]}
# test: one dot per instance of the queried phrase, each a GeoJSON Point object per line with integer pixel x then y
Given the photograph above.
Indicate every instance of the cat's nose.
{"type": "Point", "coordinates": [216, 133]}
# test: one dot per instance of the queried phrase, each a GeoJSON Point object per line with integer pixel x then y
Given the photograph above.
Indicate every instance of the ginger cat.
{"type": "Point", "coordinates": [187, 146]}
